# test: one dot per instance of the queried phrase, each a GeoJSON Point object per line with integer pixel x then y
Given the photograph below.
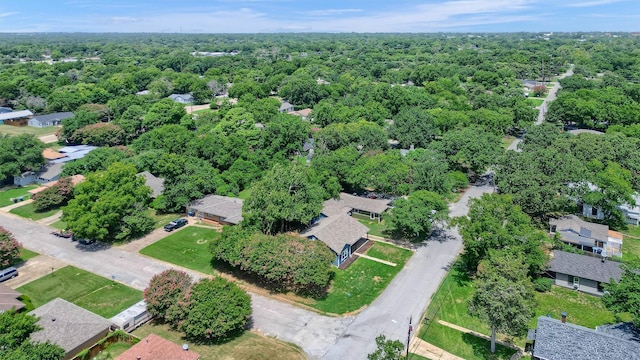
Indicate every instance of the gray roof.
{"type": "Point", "coordinates": [186, 97]}
{"type": "Point", "coordinates": [4, 110]}
{"type": "Point", "coordinates": [156, 184]}
{"type": "Point", "coordinates": [15, 115]}
{"type": "Point", "coordinates": [587, 267]}
{"type": "Point", "coordinates": [51, 170]}
{"type": "Point", "coordinates": [575, 226]}
{"type": "Point", "coordinates": [625, 331]}
{"type": "Point", "coordinates": [228, 208]}
{"type": "Point", "coordinates": [377, 206]}
{"type": "Point", "coordinates": [8, 299]}
{"type": "Point", "coordinates": [308, 145]}
{"type": "Point", "coordinates": [337, 231]}
{"type": "Point", "coordinates": [66, 324]}
{"type": "Point", "coordinates": [53, 117]}
{"type": "Point", "coordinates": [285, 106]}
{"type": "Point", "coordinates": [555, 340]}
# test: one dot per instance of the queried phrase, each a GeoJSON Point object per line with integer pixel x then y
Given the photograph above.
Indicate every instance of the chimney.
{"type": "Point", "coordinates": [564, 317]}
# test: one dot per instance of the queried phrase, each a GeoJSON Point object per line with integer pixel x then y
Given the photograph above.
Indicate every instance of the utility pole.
{"type": "Point", "coordinates": [409, 336]}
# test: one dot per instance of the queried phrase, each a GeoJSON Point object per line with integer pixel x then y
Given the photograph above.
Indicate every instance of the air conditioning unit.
{"type": "Point", "coordinates": [575, 286]}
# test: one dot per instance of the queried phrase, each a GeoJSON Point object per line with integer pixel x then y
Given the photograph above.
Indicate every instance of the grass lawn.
{"type": "Point", "coordinates": [92, 292]}
{"type": "Point", "coordinates": [160, 220]}
{"type": "Point", "coordinates": [28, 211]}
{"type": "Point", "coordinates": [535, 101]}
{"type": "Point", "coordinates": [188, 247]}
{"type": "Point", "coordinates": [363, 281]}
{"type": "Point", "coordinates": [26, 254]}
{"type": "Point", "coordinates": [7, 195]}
{"type": "Point", "coordinates": [507, 140]}
{"type": "Point", "coordinates": [61, 225]}
{"type": "Point", "coordinates": [112, 351]}
{"type": "Point", "coordinates": [14, 130]}
{"type": "Point", "coordinates": [375, 228]}
{"type": "Point", "coordinates": [413, 356]}
{"type": "Point", "coordinates": [244, 194]}
{"type": "Point", "coordinates": [467, 346]}
{"type": "Point", "coordinates": [248, 346]}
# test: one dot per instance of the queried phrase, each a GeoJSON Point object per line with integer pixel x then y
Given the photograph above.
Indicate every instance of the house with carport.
{"type": "Point", "coordinates": [587, 236]}
{"type": "Point", "coordinates": [583, 273]}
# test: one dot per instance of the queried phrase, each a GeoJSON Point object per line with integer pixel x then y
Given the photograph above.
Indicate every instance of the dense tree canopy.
{"type": "Point", "coordinates": [15, 343]}
{"type": "Point", "coordinates": [19, 154]}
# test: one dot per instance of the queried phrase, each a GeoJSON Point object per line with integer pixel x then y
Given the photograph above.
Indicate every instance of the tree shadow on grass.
{"type": "Point", "coordinates": [461, 275]}
{"type": "Point", "coordinates": [482, 348]}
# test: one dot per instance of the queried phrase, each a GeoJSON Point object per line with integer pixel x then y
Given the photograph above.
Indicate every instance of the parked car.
{"type": "Point", "coordinates": [175, 224]}
{"type": "Point", "coordinates": [8, 273]}
{"type": "Point", "coordinates": [86, 241]}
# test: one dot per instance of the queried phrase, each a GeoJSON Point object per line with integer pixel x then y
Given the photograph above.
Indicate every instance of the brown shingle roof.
{"type": "Point", "coordinates": [337, 231]}
{"type": "Point", "coordinates": [50, 154]}
{"type": "Point", "coordinates": [377, 206]}
{"type": "Point", "coordinates": [154, 347]}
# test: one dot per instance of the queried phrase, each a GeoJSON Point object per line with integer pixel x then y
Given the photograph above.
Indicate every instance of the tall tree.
{"type": "Point", "coordinates": [413, 127]}
{"type": "Point", "coordinates": [387, 349]}
{"type": "Point", "coordinates": [9, 248]}
{"type": "Point", "coordinates": [19, 154]}
{"type": "Point", "coordinates": [164, 291]}
{"type": "Point", "coordinates": [624, 296]}
{"type": "Point", "coordinates": [110, 205]}
{"type": "Point", "coordinates": [504, 295]}
{"type": "Point", "coordinates": [15, 329]}
{"type": "Point", "coordinates": [413, 217]}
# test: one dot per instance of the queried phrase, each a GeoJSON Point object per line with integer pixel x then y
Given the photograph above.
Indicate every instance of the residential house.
{"type": "Point", "coordinates": [4, 110]}
{"type": "Point", "coordinates": [143, 92]}
{"type": "Point", "coordinates": [156, 184]}
{"type": "Point", "coordinates": [339, 231]}
{"type": "Point", "coordinates": [75, 180]}
{"type": "Point", "coordinates": [304, 113]}
{"type": "Point", "coordinates": [217, 209]}
{"type": "Point", "coordinates": [558, 340]}
{"type": "Point", "coordinates": [50, 172]}
{"type": "Point", "coordinates": [9, 299]}
{"type": "Point", "coordinates": [15, 118]}
{"type": "Point", "coordinates": [286, 107]}
{"type": "Point", "coordinates": [155, 347]}
{"type": "Point", "coordinates": [74, 153]}
{"type": "Point", "coordinates": [55, 119]}
{"type": "Point", "coordinates": [69, 326]}
{"type": "Point", "coordinates": [587, 236]}
{"type": "Point", "coordinates": [631, 211]}
{"type": "Point", "coordinates": [182, 98]}
{"type": "Point", "coordinates": [362, 205]}
{"type": "Point", "coordinates": [583, 273]}
{"type": "Point", "coordinates": [308, 148]}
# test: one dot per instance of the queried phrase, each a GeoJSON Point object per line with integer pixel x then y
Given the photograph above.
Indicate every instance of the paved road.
{"type": "Point", "coordinates": [321, 337]}
{"type": "Point", "coordinates": [544, 107]}
{"type": "Point", "coordinates": [409, 293]}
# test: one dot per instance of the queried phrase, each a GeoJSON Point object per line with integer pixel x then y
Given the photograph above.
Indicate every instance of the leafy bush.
{"type": "Point", "coordinates": [287, 262]}
{"type": "Point", "coordinates": [542, 284]}
{"type": "Point", "coordinates": [9, 248]}
{"type": "Point", "coordinates": [54, 196]}
{"type": "Point", "coordinates": [164, 291]}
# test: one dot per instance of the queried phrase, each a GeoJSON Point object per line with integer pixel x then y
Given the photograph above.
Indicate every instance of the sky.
{"type": "Point", "coordinates": [277, 16]}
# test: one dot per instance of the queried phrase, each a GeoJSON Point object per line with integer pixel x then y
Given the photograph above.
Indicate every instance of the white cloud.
{"type": "Point", "coordinates": [123, 19]}
{"type": "Point", "coordinates": [7, 14]}
{"type": "Point", "coordinates": [329, 12]}
{"type": "Point", "coordinates": [592, 3]}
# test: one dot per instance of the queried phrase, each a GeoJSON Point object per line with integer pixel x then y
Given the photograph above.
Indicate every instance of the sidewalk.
{"type": "Point", "coordinates": [16, 205]}
{"type": "Point", "coordinates": [482, 336]}
{"type": "Point", "coordinates": [423, 348]}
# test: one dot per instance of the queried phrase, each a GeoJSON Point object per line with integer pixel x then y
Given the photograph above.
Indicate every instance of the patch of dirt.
{"type": "Point", "coordinates": [377, 279]}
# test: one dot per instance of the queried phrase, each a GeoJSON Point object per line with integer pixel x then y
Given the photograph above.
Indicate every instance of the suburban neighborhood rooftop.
{"type": "Point", "coordinates": [227, 207]}
{"type": "Point", "coordinates": [584, 266]}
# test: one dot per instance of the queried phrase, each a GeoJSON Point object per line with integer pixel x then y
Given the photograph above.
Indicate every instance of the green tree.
{"type": "Point", "coordinates": [624, 296]}
{"type": "Point", "coordinates": [285, 198]}
{"type": "Point", "coordinates": [504, 296]}
{"type": "Point", "coordinates": [55, 195]}
{"type": "Point", "coordinates": [9, 248]}
{"type": "Point", "coordinates": [386, 172]}
{"type": "Point", "coordinates": [15, 343]}
{"type": "Point", "coordinates": [413, 217]}
{"type": "Point", "coordinates": [165, 290]}
{"type": "Point", "coordinates": [471, 149]}
{"type": "Point", "coordinates": [413, 127]}
{"type": "Point", "coordinates": [387, 349]}
{"type": "Point", "coordinates": [164, 112]}
{"type": "Point", "coordinates": [614, 189]}
{"type": "Point", "coordinates": [214, 309]}
{"type": "Point", "coordinates": [96, 160]}
{"type": "Point", "coordinates": [110, 205]}
{"type": "Point", "coordinates": [19, 154]}
{"type": "Point", "coordinates": [100, 134]}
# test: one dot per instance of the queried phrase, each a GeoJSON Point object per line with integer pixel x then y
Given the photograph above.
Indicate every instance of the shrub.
{"type": "Point", "coordinates": [9, 248]}
{"type": "Point", "coordinates": [542, 284]}
{"type": "Point", "coordinates": [164, 291]}
{"type": "Point", "coordinates": [287, 262]}
{"type": "Point", "coordinates": [54, 196]}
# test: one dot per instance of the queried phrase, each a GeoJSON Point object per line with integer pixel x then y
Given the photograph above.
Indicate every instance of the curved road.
{"type": "Point", "coordinates": [321, 337]}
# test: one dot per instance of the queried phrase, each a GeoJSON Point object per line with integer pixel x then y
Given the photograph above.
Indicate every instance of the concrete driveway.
{"type": "Point", "coordinates": [34, 269]}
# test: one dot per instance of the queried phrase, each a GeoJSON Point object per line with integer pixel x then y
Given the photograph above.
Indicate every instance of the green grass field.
{"type": "Point", "coordinates": [14, 130]}
{"type": "Point", "coordinates": [188, 247]}
{"type": "Point", "coordinates": [375, 228]}
{"type": "Point", "coordinates": [7, 195]}
{"type": "Point", "coordinates": [28, 211]}
{"type": "Point", "coordinates": [244, 194]}
{"type": "Point", "coordinates": [92, 292]}
{"type": "Point", "coordinates": [363, 281]}
{"type": "Point", "coordinates": [161, 220]}
{"type": "Point", "coordinates": [248, 346]}
{"type": "Point", "coordinates": [535, 101]}
{"type": "Point", "coordinates": [26, 254]}
{"type": "Point", "coordinates": [61, 225]}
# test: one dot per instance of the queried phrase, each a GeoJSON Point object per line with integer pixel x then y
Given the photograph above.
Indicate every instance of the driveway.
{"type": "Point", "coordinates": [34, 269]}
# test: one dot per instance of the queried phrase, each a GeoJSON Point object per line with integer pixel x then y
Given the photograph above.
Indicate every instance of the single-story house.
{"type": "Point", "coordinates": [558, 340]}
{"type": "Point", "coordinates": [304, 113]}
{"type": "Point", "coordinates": [182, 98]}
{"type": "Point", "coordinates": [74, 153]}
{"type": "Point", "coordinates": [50, 154]}
{"type": "Point", "coordinates": [54, 119]}
{"type": "Point", "coordinates": [156, 184]}
{"type": "Point", "coordinates": [362, 205]}
{"type": "Point", "coordinates": [75, 180]}
{"type": "Point", "coordinates": [9, 299]}
{"type": "Point", "coordinates": [584, 273]}
{"type": "Point", "coordinates": [631, 211]}
{"type": "Point", "coordinates": [587, 236]}
{"type": "Point", "coordinates": [4, 110]}
{"type": "Point", "coordinates": [218, 209]}
{"type": "Point", "coordinates": [16, 118]}
{"type": "Point", "coordinates": [286, 107]}
{"type": "Point", "coordinates": [156, 347]}
{"type": "Point", "coordinates": [50, 172]}
{"type": "Point", "coordinates": [338, 230]}
{"type": "Point", "coordinates": [69, 326]}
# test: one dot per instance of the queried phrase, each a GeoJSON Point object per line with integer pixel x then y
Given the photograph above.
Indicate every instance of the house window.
{"type": "Point", "coordinates": [345, 255]}
{"type": "Point", "coordinates": [594, 211]}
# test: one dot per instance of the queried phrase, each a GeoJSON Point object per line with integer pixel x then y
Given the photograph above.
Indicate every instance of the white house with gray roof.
{"type": "Point", "coordinates": [583, 273]}
{"type": "Point", "coordinates": [69, 326]}
{"type": "Point", "coordinates": [555, 340]}
{"type": "Point", "coordinates": [55, 119]}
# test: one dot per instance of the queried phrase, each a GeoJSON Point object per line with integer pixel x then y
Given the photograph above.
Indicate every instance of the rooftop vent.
{"type": "Point", "coordinates": [185, 347]}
